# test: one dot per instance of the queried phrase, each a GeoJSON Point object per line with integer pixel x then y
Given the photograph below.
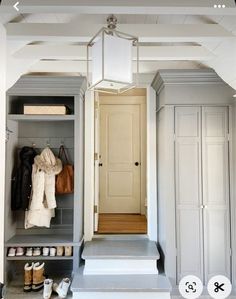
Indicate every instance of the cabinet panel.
{"type": "Point", "coordinates": [188, 191]}
{"type": "Point", "coordinates": [187, 121]}
{"type": "Point", "coordinates": [216, 191]}
{"type": "Point", "coordinates": [187, 173]}
{"type": "Point", "coordinates": [217, 255]}
{"type": "Point", "coordinates": [189, 246]}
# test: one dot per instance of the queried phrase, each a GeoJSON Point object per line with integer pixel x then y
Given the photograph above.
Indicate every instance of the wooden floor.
{"type": "Point", "coordinates": [122, 224]}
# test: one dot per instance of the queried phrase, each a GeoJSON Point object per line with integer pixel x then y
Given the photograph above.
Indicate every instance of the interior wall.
{"type": "Point", "coordinates": [2, 141]}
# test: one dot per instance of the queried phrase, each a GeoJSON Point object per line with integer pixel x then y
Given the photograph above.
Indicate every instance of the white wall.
{"type": "Point", "coordinates": [2, 142]}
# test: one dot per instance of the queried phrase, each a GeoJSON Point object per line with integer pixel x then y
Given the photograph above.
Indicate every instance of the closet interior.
{"type": "Point", "coordinates": [40, 132]}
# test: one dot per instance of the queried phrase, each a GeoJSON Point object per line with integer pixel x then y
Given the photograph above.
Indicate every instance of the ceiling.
{"type": "Point", "coordinates": [201, 37]}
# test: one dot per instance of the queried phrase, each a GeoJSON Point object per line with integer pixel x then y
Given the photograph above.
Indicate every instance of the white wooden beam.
{"type": "Point", "coordinates": [145, 32]}
{"type": "Point", "coordinates": [80, 67]}
{"type": "Point", "coordinates": [147, 53]}
{"type": "Point", "coordinates": [152, 7]}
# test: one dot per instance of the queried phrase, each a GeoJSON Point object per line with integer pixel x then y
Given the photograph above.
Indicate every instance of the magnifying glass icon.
{"type": "Point", "coordinates": [190, 287]}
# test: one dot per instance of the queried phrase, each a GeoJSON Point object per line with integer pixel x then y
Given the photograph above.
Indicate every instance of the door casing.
{"type": "Point", "coordinates": [124, 100]}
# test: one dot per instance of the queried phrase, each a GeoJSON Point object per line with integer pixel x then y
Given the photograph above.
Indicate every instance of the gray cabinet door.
{"type": "Point", "coordinates": [215, 180]}
{"type": "Point", "coordinates": [188, 191]}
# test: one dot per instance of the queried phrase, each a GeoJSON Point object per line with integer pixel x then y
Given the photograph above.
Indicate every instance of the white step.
{"type": "Point", "coordinates": [119, 257]}
{"type": "Point", "coordinates": [120, 286]}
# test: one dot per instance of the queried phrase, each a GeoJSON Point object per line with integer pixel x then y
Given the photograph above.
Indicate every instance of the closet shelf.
{"type": "Point", "coordinates": [39, 258]}
{"type": "Point", "coordinates": [40, 240]}
{"type": "Point", "coordinates": [23, 117]}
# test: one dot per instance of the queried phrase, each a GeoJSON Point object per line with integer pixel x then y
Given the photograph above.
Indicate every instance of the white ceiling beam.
{"type": "Point", "coordinates": [80, 67]}
{"type": "Point", "coordinates": [145, 32]}
{"type": "Point", "coordinates": [151, 7]}
{"type": "Point", "coordinates": [147, 53]}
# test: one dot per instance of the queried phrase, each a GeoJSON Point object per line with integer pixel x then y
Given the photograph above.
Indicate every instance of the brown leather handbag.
{"type": "Point", "coordinates": [65, 179]}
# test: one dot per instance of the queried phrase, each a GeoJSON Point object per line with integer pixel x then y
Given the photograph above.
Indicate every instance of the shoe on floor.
{"type": "Point", "coordinates": [29, 251]}
{"type": "Point", "coordinates": [38, 277]}
{"type": "Point", "coordinates": [28, 277]}
{"type": "Point", "coordinates": [37, 251]}
{"type": "Point", "coordinates": [47, 290]}
{"type": "Point", "coordinates": [12, 252]}
{"type": "Point", "coordinates": [45, 251]}
{"type": "Point", "coordinates": [20, 251]}
{"type": "Point", "coordinates": [63, 287]}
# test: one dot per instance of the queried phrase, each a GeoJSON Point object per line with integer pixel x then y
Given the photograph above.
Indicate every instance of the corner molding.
{"type": "Point", "coordinates": [185, 77]}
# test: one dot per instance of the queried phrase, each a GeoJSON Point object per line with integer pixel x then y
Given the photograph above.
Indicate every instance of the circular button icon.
{"type": "Point", "coordinates": [219, 287]}
{"type": "Point", "coordinates": [190, 287]}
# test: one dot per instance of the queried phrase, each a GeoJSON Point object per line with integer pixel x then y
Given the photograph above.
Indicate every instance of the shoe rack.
{"type": "Point", "coordinates": [40, 131]}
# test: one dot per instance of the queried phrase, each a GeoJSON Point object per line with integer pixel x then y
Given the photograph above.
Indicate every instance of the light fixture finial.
{"type": "Point", "coordinates": [112, 22]}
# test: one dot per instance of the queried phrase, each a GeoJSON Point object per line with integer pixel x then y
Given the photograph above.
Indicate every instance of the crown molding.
{"type": "Point", "coordinates": [185, 77]}
{"type": "Point", "coordinates": [49, 85]}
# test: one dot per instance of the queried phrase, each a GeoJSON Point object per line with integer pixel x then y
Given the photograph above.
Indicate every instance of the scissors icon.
{"type": "Point", "coordinates": [218, 287]}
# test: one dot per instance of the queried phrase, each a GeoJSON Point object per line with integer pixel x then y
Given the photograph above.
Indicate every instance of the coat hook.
{"type": "Point", "coordinates": [48, 143]}
{"type": "Point", "coordinates": [8, 130]}
{"type": "Point", "coordinates": [33, 144]}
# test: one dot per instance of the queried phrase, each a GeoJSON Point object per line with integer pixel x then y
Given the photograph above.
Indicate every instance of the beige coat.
{"type": "Point", "coordinates": [43, 202]}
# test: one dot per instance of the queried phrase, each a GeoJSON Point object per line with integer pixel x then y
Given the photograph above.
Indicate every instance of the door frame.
{"type": "Point", "coordinates": [139, 100]}
{"type": "Point", "coordinates": [3, 42]}
{"type": "Point", "coordinates": [151, 181]}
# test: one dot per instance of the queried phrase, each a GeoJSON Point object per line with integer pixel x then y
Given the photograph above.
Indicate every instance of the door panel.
{"type": "Point", "coordinates": [120, 180]}
{"type": "Point", "coordinates": [189, 245]}
{"type": "Point", "coordinates": [216, 191]}
{"type": "Point", "coordinates": [188, 191]}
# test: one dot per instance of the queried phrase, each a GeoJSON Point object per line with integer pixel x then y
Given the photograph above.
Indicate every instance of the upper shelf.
{"type": "Point", "coordinates": [23, 117]}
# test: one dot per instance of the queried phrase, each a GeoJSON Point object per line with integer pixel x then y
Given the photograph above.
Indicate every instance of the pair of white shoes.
{"type": "Point", "coordinates": [49, 251]}
{"type": "Point", "coordinates": [61, 289]}
{"type": "Point", "coordinates": [19, 251]}
{"type": "Point", "coordinates": [36, 251]}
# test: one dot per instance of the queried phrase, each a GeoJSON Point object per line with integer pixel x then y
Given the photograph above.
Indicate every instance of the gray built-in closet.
{"type": "Point", "coordinates": [196, 208]}
{"type": "Point", "coordinates": [41, 131]}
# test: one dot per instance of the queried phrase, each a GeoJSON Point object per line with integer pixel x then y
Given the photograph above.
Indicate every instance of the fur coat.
{"type": "Point", "coordinates": [43, 202]}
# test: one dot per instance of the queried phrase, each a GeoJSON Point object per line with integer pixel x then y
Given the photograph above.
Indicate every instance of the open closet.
{"type": "Point", "coordinates": [40, 132]}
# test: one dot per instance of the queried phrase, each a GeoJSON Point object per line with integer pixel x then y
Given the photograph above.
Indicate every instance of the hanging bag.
{"type": "Point", "coordinates": [65, 179]}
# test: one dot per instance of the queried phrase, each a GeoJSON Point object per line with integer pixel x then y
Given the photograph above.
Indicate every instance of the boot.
{"type": "Point", "coordinates": [63, 288]}
{"type": "Point", "coordinates": [47, 291]}
{"type": "Point", "coordinates": [38, 277]}
{"type": "Point", "coordinates": [28, 277]}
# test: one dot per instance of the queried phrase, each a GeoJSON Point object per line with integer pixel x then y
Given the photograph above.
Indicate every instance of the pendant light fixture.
{"type": "Point", "coordinates": [111, 54]}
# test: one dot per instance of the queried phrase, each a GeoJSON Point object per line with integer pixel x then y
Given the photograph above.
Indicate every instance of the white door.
{"type": "Point", "coordinates": [188, 191]}
{"type": "Point", "coordinates": [120, 170]}
{"type": "Point", "coordinates": [216, 191]}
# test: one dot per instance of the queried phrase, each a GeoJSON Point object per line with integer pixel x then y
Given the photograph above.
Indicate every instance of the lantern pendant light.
{"type": "Point", "coordinates": [111, 53]}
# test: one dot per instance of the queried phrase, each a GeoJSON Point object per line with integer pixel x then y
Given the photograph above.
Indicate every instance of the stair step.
{"type": "Point", "coordinates": [120, 249]}
{"type": "Point", "coordinates": [120, 283]}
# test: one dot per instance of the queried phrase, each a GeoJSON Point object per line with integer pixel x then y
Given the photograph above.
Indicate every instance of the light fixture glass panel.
{"type": "Point", "coordinates": [97, 61]}
{"type": "Point", "coordinates": [118, 59]}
